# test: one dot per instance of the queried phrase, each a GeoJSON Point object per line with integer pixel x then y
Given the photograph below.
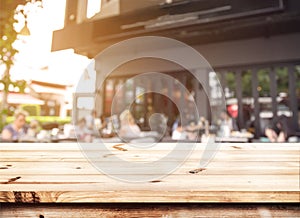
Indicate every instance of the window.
{"type": "Point", "coordinates": [93, 7]}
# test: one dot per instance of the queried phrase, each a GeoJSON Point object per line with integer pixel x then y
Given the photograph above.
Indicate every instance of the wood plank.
{"type": "Point", "coordinates": [83, 168]}
{"type": "Point", "coordinates": [168, 183]}
{"type": "Point", "coordinates": [213, 164]}
{"type": "Point", "coordinates": [150, 197]}
{"type": "Point", "coordinates": [238, 173]}
{"type": "Point", "coordinates": [150, 155]}
{"type": "Point", "coordinates": [8, 160]}
{"type": "Point", "coordinates": [160, 146]}
{"type": "Point", "coordinates": [149, 210]}
{"type": "Point", "coordinates": [197, 160]}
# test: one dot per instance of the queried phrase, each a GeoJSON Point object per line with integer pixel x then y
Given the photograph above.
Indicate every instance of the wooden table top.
{"type": "Point", "coordinates": [238, 173]}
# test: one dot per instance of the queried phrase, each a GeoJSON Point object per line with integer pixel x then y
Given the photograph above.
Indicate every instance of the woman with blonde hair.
{"type": "Point", "coordinates": [129, 129]}
{"type": "Point", "coordinates": [15, 130]}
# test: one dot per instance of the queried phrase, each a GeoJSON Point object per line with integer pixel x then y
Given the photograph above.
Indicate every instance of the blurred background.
{"type": "Point", "coordinates": [253, 47]}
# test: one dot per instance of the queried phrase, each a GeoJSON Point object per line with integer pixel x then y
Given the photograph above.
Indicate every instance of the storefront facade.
{"type": "Point", "coordinates": [248, 44]}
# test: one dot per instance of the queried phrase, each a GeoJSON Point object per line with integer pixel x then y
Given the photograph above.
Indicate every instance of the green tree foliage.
{"type": "Point", "coordinates": [32, 109]}
{"type": "Point", "coordinates": [282, 78]}
{"type": "Point", "coordinates": [246, 83]}
{"type": "Point", "coordinates": [263, 82]}
{"type": "Point", "coordinates": [8, 36]}
{"type": "Point", "coordinates": [230, 81]}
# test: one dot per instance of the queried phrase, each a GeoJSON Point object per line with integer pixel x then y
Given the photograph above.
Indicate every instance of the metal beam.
{"type": "Point", "coordinates": [255, 95]}
{"type": "Point", "coordinates": [239, 95]}
{"type": "Point", "coordinates": [170, 101]}
{"type": "Point", "coordinates": [273, 90]}
{"type": "Point", "coordinates": [293, 101]}
{"type": "Point", "coordinates": [182, 79]}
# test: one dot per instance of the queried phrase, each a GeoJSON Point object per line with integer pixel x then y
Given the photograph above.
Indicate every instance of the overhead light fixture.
{"type": "Point", "coordinates": [25, 30]}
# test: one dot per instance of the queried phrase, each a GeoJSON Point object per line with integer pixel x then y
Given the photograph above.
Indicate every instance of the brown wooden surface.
{"type": "Point", "coordinates": [238, 173]}
{"type": "Point", "coordinates": [149, 210]}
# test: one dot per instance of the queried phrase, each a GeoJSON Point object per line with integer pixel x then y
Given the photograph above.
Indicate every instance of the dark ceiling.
{"type": "Point", "coordinates": [190, 21]}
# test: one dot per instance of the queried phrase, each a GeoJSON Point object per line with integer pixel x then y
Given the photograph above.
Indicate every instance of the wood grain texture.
{"type": "Point", "coordinates": [149, 210]}
{"type": "Point", "coordinates": [61, 173]}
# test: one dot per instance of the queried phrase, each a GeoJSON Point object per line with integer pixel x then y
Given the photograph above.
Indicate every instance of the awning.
{"type": "Point", "coordinates": [42, 87]}
{"type": "Point", "coordinates": [19, 98]}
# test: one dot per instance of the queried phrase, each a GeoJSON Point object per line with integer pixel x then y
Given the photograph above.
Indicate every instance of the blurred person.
{"type": "Point", "coordinates": [17, 129]}
{"type": "Point", "coordinates": [194, 130]}
{"type": "Point", "coordinates": [128, 129]}
{"type": "Point", "coordinates": [34, 128]}
{"type": "Point", "coordinates": [227, 121]}
{"type": "Point", "coordinates": [280, 129]}
{"type": "Point", "coordinates": [83, 133]}
{"type": "Point", "coordinates": [102, 123]}
{"type": "Point", "coordinates": [108, 126]}
{"type": "Point", "coordinates": [175, 124]}
{"type": "Point", "coordinates": [90, 120]}
{"type": "Point", "coordinates": [178, 132]}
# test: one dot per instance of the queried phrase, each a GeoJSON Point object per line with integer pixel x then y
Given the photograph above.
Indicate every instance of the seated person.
{"type": "Point", "coordinates": [178, 131]}
{"type": "Point", "coordinates": [90, 120]}
{"type": "Point", "coordinates": [129, 129]}
{"type": "Point", "coordinates": [17, 129]}
{"type": "Point", "coordinates": [227, 120]}
{"type": "Point", "coordinates": [101, 123]}
{"type": "Point", "coordinates": [34, 128]}
{"type": "Point", "coordinates": [188, 132]}
{"type": "Point", "coordinates": [279, 130]}
{"type": "Point", "coordinates": [82, 132]}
